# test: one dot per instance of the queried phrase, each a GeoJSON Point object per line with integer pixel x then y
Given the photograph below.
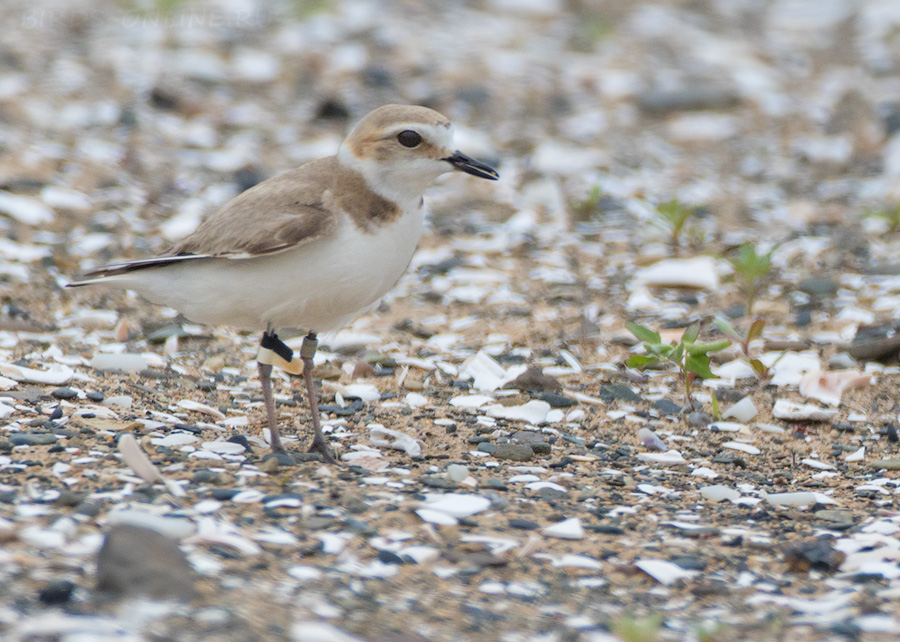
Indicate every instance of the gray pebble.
{"type": "Point", "coordinates": [140, 561]}
{"type": "Point", "coordinates": [32, 438]}
{"type": "Point", "coordinates": [513, 452]}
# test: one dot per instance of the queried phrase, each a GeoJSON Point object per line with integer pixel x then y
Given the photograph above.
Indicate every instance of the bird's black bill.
{"type": "Point", "coordinates": [471, 166]}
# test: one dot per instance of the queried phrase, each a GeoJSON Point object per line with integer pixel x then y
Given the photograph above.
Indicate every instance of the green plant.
{"type": "Point", "coordinates": [762, 371]}
{"type": "Point", "coordinates": [691, 358]}
{"type": "Point", "coordinates": [630, 628]}
{"type": "Point", "coordinates": [891, 215]}
{"type": "Point", "coordinates": [675, 214]}
{"type": "Point", "coordinates": [583, 209]}
{"type": "Point", "coordinates": [750, 268]}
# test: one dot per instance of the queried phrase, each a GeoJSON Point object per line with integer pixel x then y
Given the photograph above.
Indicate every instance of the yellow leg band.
{"type": "Point", "coordinates": [271, 358]}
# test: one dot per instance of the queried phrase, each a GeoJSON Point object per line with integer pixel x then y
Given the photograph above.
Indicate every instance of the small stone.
{"type": "Point", "coordinates": [387, 557]}
{"type": "Point", "coordinates": [540, 448]}
{"type": "Point", "coordinates": [689, 562]}
{"type": "Point", "coordinates": [281, 459]}
{"type": "Point", "coordinates": [457, 472]}
{"type": "Point", "coordinates": [69, 498]}
{"type": "Point", "coordinates": [666, 407]}
{"type": "Point", "coordinates": [223, 494]}
{"type": "Point", "coordinates": [206, 477]}
{"type": "Point", "coordinates": [891, 432]}
{"type": "Point", "coordinates": [817, 555]}
{"type": "Point", "coordinates": [89, 509]}
{"type": "Point", "coordinates": [527, 437]}
{"type": "Point", "coordinates": [495, 484]}
{"type": "Point", "coordinates": [513, 452]}
{"type": "Point", "coordinates": [699, 419]}
{"type": "Point", "coordinates": [437, 481]}
{"type": "Point", "coordinates": [534, 380]}
{"type": "Point", "coordinates": [141, 561]}
{"type": "Point", "coordinates": [523, 524]}
{"type": "Point", "coordinates": [57, 592]}
{"type": "Point", "coordinates": [618, 392]}
{"type": "Point", "coordinates": [557, 400]}
{"type": "Point", "coordinates": [837, 519]}
{"type": "Point", "coordinates": [489, 448]}
{"type": "Point", "coordinates": [95, 396]}
{"type": "Point", "coordinates": [32, 438]}
{"type": "Point", "coordinates": [306, 457]}
{"type": "Point", "coordinates": [820, 286]}
{"type": "Point", "coordinates": [64, 393]}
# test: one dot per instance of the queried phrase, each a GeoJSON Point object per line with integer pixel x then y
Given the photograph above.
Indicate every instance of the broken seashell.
{"type": "Point", "coordinates": [785, 409]}
{"type": "Point", "coordinates": [828, 387]}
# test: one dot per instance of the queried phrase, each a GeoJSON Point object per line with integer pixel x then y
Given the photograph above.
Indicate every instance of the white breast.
{"type": "Point", "coordinates": [314, 287]}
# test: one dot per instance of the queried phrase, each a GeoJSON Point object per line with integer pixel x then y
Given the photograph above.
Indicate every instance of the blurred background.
{"type": "Point", "coordinates": [123, 123]}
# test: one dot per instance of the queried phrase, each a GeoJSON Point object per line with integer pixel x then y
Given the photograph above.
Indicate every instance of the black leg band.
{"type": "Point", "coordinates": [276, 345]}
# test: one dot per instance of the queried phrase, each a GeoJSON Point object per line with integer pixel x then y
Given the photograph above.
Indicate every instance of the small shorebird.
{"type": "Point", "coordinates": [308, 248]}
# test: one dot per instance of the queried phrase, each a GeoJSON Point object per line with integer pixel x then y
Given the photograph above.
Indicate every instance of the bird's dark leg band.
{"type": "Point", "coordinates": [276, 345]}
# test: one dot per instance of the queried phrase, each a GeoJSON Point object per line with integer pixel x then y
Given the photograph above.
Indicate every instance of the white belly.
{"type": "Point", "coordinates": [314, 287]}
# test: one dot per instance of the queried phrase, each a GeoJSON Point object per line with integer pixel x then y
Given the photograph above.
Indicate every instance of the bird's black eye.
{"type": "Point", "coordinates": [409, 138]}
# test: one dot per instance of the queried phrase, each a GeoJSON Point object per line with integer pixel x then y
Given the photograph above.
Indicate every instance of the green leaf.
{"type": "Point", "coordinates": [642, 333]}
{"type": "Point", "coordinates": [641, 361]}
{"type": "Point", "coordinates": [658, 349]}
{"type": "Point", "coordinates": [759, 368]}
{"type": "Point", "coordinates": [676, 353]}
{"type": "Point", "coordinates": [690, 335]}
{"type": "Point", "coordinates": [755, 330]}
{"type": "Point", "coordinates": [699, 365]}
{"type": "Point", "coordinates": [705, 348]}
{"type": "Point", "coordinates": [726, 328]}
{"type": "Point", "coordinates": [675, 213]}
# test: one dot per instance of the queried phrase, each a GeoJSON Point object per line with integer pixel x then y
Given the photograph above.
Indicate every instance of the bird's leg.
{"type": "Point", "coordinates": [307, 352]}
{"type": "Point", "coordinates": [271, 343]}
{"type": "Point", "coordinates": [265, 371]}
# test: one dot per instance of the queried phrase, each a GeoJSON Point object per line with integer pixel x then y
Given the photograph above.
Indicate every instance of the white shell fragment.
{"type": "Point", "coordinates": [651, 440]}
{"type": "Point", "coordinates": [138, 461]}
{"type": "Point", "coordinates": [696, 273]}
{"type": "Point", "coordinates": [471, 401]}
{"type": "Point", "coordinates": [196, 406]}
{"type": "Point", "coordinates": [457, 504]}
{"type": "Point", "coordinates": [534, 412]}
{"type": "Point", "coordinates": [670, 458]}
{"type": "Point", "coordinates": [387, 438]}
{"type": "Point", "coordinates": [803, 498]}
{"type": "Point", "coordinates": [124, 362]}
{"type": "Point", "coordinates": [24, 209]}
{"type": "Point", "coordinates": [175, 527]}
{"type": "Point", "coordinates": [828, 387]}
{"type": "Point", "coordinates": [567, 529]}
{"type": "Point", "coordinates": [664, 572]}
{"type": "Point", "coordinates": [742, 447]}
{"type": "Point", "coordinates": [793, 411]}
{"type": "Point", "coordinates": [743, 411]}
{"type": "Point", "coordinates": [719, 493]}
{"type": "Point", "coordinates": [818, 465]}
{"type": "Point", "coordinates": [56, 375]}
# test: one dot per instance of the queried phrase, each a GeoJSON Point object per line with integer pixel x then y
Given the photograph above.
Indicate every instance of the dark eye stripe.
{"type": "Point", "coordinates": [409, 138]}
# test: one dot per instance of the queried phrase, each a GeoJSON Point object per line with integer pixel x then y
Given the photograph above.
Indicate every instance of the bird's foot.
{"type": "Point", "coordinates": [321, 447]}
